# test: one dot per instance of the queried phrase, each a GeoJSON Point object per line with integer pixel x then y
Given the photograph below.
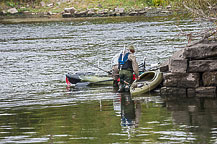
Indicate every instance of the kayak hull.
{"type": "Point", "coordinates": [90, 78]}
{"type": "Point", "coordinates": [148, 81]}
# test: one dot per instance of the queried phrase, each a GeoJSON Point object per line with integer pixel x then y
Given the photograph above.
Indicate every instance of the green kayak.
{"type": "Point", "coordinates": [148, 81]}
{"type": "Point", "coordinates": [88, 79]}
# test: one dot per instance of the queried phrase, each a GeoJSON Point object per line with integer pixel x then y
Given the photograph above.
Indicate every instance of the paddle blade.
{"type": "Point", "coordinates": [67, 81]}
{"type": "Point", "coordinates": [82, 84]}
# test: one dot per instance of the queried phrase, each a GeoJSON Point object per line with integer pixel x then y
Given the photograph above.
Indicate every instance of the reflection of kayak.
{"type": "Point", "coordinates": [148, 81]}
{"type": "Point", "coordinates": [88, 77]}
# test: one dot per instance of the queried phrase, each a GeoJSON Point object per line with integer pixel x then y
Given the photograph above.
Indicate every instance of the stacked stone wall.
{"type": "Point", "coordinates": [191, 72]}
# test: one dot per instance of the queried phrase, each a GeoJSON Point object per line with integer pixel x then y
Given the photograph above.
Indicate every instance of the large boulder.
{"type": "Point", "coordinates": [202, 65]}
{"type": "Point", "coordinates": [201, 51]}
{"type": "Point", "coordinates": [185, 80]}
{"type": "Point", "coordinates": [164, 67]}
{"type": "Point", "coordinates": [177, 63]}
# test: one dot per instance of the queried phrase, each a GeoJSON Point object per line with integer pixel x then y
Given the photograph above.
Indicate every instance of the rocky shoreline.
{"type": "Point", "coordinates": [191, 72]}
{"type": "Point", "coordinates": [148, 11]}
{"type": "Point", "coordinates": [95, 12]}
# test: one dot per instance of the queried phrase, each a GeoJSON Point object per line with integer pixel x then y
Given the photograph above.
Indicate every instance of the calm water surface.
{"type": "Point", "coordinates": [37, 107]}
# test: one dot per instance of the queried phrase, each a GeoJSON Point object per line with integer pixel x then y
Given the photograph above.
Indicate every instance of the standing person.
{"type": "Point", "coordinates": [127, 65]}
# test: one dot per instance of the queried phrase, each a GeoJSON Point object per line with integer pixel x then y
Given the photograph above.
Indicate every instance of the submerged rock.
{"type": "Point", "coordinates": [173, 92]}
{"type": "Point", "coordinates": [206, 92]}
{"type": "Point", "coordinates": [186, 80]}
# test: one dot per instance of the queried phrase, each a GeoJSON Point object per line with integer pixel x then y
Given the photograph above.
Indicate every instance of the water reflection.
{"type": "Point", "coordinates": [37, 108]}
{"type": "Point", "coordinates": [127, 110]}
{"type": "Point", "coordinates": [197, 117]}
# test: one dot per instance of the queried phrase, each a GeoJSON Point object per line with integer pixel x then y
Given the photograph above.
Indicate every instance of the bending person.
{"type": "Point", "coordinates": [127, 65]}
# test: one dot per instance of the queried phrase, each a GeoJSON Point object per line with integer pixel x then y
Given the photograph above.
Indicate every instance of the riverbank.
{"type": "Point", "coordinates": [67, 8]}
{"type": "Point", "coordinates": [113, 19]}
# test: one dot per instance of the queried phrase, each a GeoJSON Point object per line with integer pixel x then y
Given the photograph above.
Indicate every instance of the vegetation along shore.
{"type": "Point", "coordinates": [86, 8]}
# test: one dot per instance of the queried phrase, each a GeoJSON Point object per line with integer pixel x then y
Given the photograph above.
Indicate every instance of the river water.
{"type": "Point", "coordinates": [36, 106]}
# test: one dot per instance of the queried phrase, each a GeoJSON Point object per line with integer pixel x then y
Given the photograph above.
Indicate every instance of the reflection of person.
{"type": "Point", "coordinates": [127, 110]}
{"type": "Point", "coordinates": [127, 65]}
{"type": "Point", "coordinates": [115, 70]}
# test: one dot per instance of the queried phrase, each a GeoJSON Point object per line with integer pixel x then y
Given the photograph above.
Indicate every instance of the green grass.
{"type": "Point", "coordinates": [81, 5]}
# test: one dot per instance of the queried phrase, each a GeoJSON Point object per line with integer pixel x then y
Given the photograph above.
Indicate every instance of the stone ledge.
{"type": "Point", "coordinates": [202, 65]}
{"type": "Point", "coordinates": [185, 80]}
{"type": "Point", "coordinates": [201, 51]}
{"type": "Point", "coordinates": [178, 65]}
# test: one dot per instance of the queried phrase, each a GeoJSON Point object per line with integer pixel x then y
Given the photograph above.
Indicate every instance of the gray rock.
{"type": "Point", "coordinates": [185, 80]}
{"type": "Point", "coordinates": [209, 78]}
{"type": "Point", "coordinates": [12, 11]}
{"type": "Point", "coordinates": [81, 14]}
{"type": "Point", "coordinates": [169, 7]}
{"type": "Point", "coordinates": [133, 13]}
{"type": "Point", "coordinates": [178, 54]}
{"type": "Point", "coordinates": [164, 67]}
{"type": "Point", "coordinates": [201, 51]}
{"type": "Point", "coordinates": [119, 10]}
{"type": "Point", "coordinates": [178, 65]}
{"type": "Point", "coordinates": [70, 10]}
{"type": "Point", "coordinates": [50, 5]}
{"type": "Point", "coordinates": [141, 12]}
{"type": "Point", "coordinates": [67, 15]}
{"type": "Point", "coordinates": [90, 13]}
{"type": "Point", "coordinates": [206, 92]}
{"type": "Point", "coordinates": [202, 65]}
